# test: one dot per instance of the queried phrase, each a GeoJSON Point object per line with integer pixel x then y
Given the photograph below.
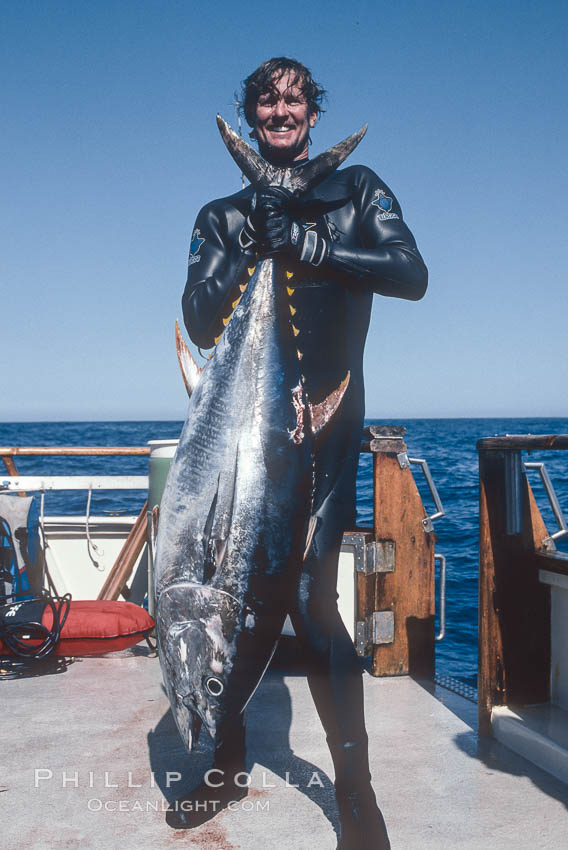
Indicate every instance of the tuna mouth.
{"type": "Point", "coordinates": [194, 723]}
{"type": "Point", "coordinates": [191, 725]}
{"type": "Point", "coordinates": [200, 716]}
{"type": "Point", "coordinates": [193, 731]}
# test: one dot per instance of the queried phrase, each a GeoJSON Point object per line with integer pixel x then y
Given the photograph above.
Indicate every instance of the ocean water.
{"type": "Point", "coordinates": [448, 445]}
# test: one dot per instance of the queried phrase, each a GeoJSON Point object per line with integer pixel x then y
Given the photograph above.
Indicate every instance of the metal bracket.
{"type": "Point", "coordinates": [376, 629]}
{"type": "Point", "coordinates": [378, 556]}
{"type": "Point", "coordinates": [403, 460]}
{"type": "Point", "coordinates": [427, 522]}
{"type": "Point", "coordinates": [386, 439]}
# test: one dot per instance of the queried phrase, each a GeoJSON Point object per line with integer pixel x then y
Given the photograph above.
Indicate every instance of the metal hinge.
{"type": "Point", "coordinates": [377, 628]}
{"type": "Point", "coordinates": [378, 556]}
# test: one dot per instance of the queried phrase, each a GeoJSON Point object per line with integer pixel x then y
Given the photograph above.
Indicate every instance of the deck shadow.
{"type": "Point", "coordinates": [490, 752]}
{"type": "Point", "coordinates": [13, 667]}
{"type": "Point", "coordinates": [496, 756]}
{"type": "Point", "coordinates": [269, 718]}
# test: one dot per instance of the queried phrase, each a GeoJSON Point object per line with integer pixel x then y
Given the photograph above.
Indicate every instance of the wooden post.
{"type": "Point", "coordinates": [124, 564]}
{"type": "Point", "coordinates": [408, 591]}
{"type": "Point", "coordinates": [10, 465]}
{"type": "Point", "coordinates": [514, 607]}
{"type": "Point", "coordinates": [11, 470]}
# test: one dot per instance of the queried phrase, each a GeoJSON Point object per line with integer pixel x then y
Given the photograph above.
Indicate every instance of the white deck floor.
{"type": "Point", "coordinates": [438, 785]}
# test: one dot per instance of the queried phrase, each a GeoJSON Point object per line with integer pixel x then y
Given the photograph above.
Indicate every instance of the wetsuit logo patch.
{"type": "Point", "coordinates": [295, 235]}
{"type": "Point", "coordinates": [384, 204]}
{"type": "Point", "coordinates": [196, 242]}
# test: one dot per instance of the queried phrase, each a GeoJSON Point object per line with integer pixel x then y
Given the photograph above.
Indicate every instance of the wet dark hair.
{"type": "Point", "coordinates": [262, 80]}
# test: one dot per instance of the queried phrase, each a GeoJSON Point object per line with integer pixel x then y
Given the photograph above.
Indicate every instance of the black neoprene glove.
{"type": "Point", "coordinates": [272, 230]}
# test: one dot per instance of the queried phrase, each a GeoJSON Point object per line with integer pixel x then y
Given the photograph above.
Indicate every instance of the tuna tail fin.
{"type": "Point", "coordinates": [321, 413]}
{"type": "Point", "coordinates": [252, 164]}
{"type": "Point", "coordinates": [190, 371]}
{"type": "Point", "coordinates": [305, 177]}
{"type": "Point", "coordinates": [300, 179]}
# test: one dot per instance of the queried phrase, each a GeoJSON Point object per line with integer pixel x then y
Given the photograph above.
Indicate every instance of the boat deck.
{"type": "Point", "coordinates": [77, 745]}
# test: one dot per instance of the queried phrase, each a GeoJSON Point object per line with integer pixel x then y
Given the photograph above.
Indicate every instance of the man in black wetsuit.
{"type": "Point", "coordinates": [346, 243]}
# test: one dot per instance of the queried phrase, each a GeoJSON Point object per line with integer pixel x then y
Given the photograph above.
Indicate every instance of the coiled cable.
{"type": "Point", "coordinates": [32, 639]}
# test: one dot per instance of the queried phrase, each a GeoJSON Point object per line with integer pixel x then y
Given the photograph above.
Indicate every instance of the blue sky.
{"type": "Point", "coordinates": [110, 147]}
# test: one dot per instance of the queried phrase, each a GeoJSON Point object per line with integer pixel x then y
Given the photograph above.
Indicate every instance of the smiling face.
{"type": "Point", "coordinates": [283, 121]}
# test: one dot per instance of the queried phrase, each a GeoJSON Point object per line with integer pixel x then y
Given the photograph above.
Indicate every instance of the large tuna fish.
{"type": "Point", "coordinates": [236, 517]}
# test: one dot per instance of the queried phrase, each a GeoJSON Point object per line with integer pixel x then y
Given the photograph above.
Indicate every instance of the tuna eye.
{"type": "Point", "coordinates": [214, 686]}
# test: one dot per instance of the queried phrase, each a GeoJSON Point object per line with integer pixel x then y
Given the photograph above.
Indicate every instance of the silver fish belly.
{"type": "Point", "coordinates": [234, 517]}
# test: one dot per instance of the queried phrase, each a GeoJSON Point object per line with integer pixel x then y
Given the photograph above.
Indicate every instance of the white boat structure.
{"type": "Point", "coordinates": [92, 757]}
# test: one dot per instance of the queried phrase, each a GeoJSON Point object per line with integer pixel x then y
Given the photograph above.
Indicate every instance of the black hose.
{"type": "Point", "coordinates": [21, 637]}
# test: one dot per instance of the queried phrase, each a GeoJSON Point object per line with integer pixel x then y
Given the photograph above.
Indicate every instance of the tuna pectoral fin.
{"type": "Point", "coordinates": [312, 525]}
{"type": "Point", "coordinates": [218, 523]}
{"type": "Point", "coordinates": [321, 413]}
{"type": "Point", "coordinates": [209, 544]}
{"type": "Point", "coordinates": [190, 371]}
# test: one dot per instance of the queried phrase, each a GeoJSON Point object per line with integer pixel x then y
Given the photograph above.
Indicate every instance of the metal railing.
{"type": "Point", "coordinates": [548, 542]}
{"type": "Point", "coordinates": [428, 521]}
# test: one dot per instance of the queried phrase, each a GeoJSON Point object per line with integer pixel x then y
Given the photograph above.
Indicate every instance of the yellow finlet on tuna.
{"type": "Point", "coordinates": [289, 290]}
{"type": "Point", "coordinates": [251, 270]}
{"type": "Point", "coordinates": [295, 330]}
{"type": "Point", "coordinates": [292, 309]}
{"type": "Point", "coordinates": [289, 275]}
